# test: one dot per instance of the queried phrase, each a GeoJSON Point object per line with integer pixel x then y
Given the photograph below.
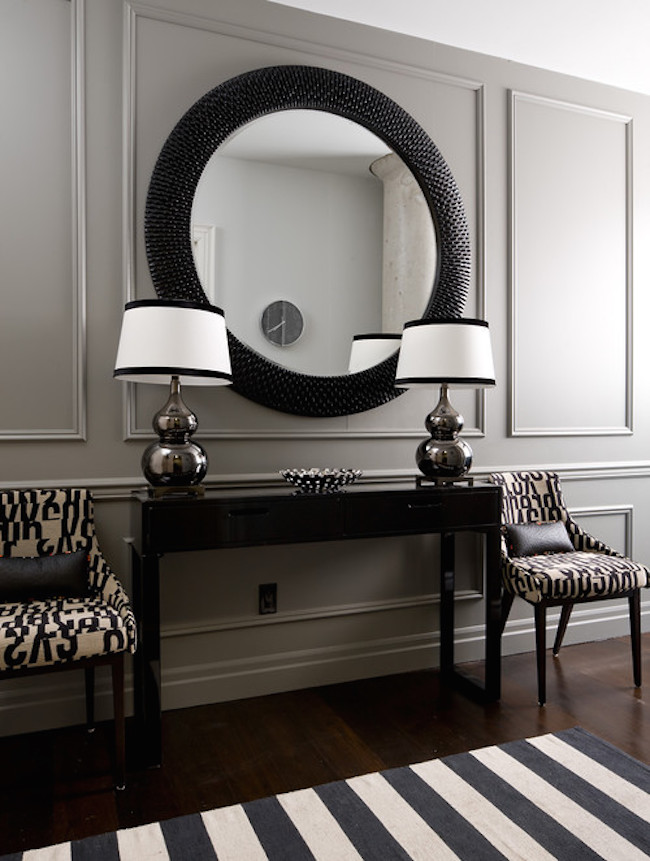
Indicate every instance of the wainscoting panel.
{"type": "Point", "coordinates": [42, 222]}
{"type": "Point", "coordinates": [611, 524]}
{"type": "Point", "coordinates": [348, 610]}
{"type": "Point", "coordinates": [200, 54]}
{"type": "Point", "coordinates": [571, 182]}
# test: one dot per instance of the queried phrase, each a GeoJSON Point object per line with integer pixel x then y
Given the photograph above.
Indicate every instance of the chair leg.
{"type": "Point", "coordinates": [635, 634]}
{"type": "Point", "coordinates": [89, 673]}
{"type": "Point", "coordinates": [561, 628]}
{"type": "Point", "coordinates": [540, 649]}
{"type": "Point", "coordinates": [118, 720]}
{"type": "Point", "coordinates": [506, 604]}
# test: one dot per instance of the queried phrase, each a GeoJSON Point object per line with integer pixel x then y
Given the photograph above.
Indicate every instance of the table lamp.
{"type": "Point", "coordinates": [450, 353]}
{"type": "Point", "coordinates": [174, 342]}
{"type": "Point", "coordinates": [370, 350]}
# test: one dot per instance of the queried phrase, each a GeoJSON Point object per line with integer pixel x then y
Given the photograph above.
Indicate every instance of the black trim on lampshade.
{"type": "Point", "coordinates": [450, 381]}
{"type": "Point", "coordinates": [446, 321]}
{"type": "Point", "coordinates": [378, 336]}
{"type": "Point", "coordinates": [433, 358]}
{"type": "Point", "coordinates": [171, 372]}
{"type": "Point", "coordinates": [173, 303]}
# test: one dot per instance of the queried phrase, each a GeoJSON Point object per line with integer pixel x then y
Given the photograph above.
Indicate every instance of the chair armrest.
{"type": "Point", "coordinates": [105, 584]}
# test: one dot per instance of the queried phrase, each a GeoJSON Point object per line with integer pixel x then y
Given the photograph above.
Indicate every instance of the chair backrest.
{"type": "Point", "coordinates": [530, 497]}
{"type": "Point", "coordinates": [43, 522]}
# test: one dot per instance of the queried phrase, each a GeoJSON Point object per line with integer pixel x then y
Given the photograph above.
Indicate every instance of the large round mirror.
{"type": "Point", "coordinates": [277, 196]}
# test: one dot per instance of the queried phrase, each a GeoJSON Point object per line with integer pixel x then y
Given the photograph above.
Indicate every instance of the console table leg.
{"type": "Point", "coordinates": [146, 665]}
{"type": "Point", "coordinates": [447, 586]}
{"type": "Point", "coordinates": [493, 628]}
{"type": "Point", "coordinates": [490, 689]}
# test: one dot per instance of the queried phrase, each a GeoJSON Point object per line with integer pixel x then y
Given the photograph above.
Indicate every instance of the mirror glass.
{"type": "Point", "coordinates": [307, 229]}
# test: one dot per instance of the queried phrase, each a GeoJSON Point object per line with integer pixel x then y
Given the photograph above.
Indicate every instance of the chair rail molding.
{"type": "Point", "coordinates": [122, 487]}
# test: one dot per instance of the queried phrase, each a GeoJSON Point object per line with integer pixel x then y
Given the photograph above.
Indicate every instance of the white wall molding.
{"type": "Point", "coordinates": [79, 213]}
{"type": "Point", "coordinates": [268, 37]}
{"type": "Point", "coordinates": [136, 11]}
{"type": "Point", "coordinates": [295, 669]}
{"type": "Point", "coordinates": [566, 386]}
{"type": "Point", "coordinates": [79, 223]}
{"type": "Point", "coordinates": [588, 623]}
{"type": "Point", "coordinates": [624, 511]}
{"type": "Point", "coordinates": [135, 432]}
{"type": "Point", "coordinates": [576, 471]}
{"type": "Point", "coordinates": [78, 378]}
{"type": "Point", "coordinates": [55, 700]}
{"type": "Point", "coordinates": [360, 608]}
{"type": "Point", "coordinates": [122, 487]}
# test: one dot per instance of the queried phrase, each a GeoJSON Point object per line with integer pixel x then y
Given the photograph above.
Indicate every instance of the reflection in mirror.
{"type": "Point", "coordinates": [312, 209]}
{"type": "Point", "coordinates": [370, 349]}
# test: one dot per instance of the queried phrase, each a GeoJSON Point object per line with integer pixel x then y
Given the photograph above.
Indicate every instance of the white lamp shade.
{"type": "Point", "coordinates": [455, 352]}
{"type": "Point", "coordinates": [163, 338]}
{"type": "Point", "coordinates": [370, 350]}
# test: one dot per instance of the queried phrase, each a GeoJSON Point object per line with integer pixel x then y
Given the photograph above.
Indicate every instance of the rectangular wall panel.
{"type": "Point", "coordinates": [570, 279]}
{"type": "Point", "coordinates": [200, 54]}
{"type": "Point", "coordinates": [612, 524]}
{"type": "Point", "coordinates": [42, 220]}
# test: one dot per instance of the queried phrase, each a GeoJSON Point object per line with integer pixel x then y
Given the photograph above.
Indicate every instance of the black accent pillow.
{"type": "Point", "coordinates": [531, 539]}
{"type": "Point", "coordinates": [34, 578]}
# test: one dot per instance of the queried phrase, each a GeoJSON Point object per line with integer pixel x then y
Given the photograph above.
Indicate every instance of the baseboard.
{"type": "Point", "coordinates": [273, 673]}
{"type": "Point", "coordinates": [588, 623]}
{"type": "Point", "coordinates": [51, 701]}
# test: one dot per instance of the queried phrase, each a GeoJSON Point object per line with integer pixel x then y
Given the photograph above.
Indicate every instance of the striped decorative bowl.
{"type": "Point", "coordinates": [316, 480]}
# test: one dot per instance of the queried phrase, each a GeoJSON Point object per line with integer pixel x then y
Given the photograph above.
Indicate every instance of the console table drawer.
{"type": "Point", "coordinates": [419, 512]}
{"type": "Point", "coordinates": [206, 525]}
{"type": "Point", "coordinates": [286, 520]}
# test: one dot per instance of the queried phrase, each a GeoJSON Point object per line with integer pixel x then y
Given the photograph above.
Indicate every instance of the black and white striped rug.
{"type": "Point", "coordinates": [567, 795]}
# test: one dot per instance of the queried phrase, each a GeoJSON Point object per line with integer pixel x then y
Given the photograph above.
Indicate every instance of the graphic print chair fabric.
{"type": "Point", "coordinates": [81, 625]}
{"type": "Point", "coordinates": [585, 570]}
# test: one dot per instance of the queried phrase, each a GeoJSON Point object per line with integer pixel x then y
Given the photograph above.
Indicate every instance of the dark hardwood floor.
{"type": "Point", "coordinates": [57, 785]}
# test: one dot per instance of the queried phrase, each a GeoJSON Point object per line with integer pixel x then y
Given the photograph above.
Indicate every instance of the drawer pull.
{"type": "Point", "coordinates": [430, 505]}
{"type": "Point", "coordinates": [248, 512]}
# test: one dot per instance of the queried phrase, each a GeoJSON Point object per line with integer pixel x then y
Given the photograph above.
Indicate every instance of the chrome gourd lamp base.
{"type": "Point", "coordinates": [448, 353]}
{"type": "Point", "coordinates": [444, 454]}
{"type": "Point", "coordinates": [174, 460]}
{"type": "Point", "coordinates": [173, 341]}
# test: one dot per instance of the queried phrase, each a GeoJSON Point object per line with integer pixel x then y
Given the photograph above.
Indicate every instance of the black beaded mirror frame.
{"type": "Point", "coordinates": [189, 147]}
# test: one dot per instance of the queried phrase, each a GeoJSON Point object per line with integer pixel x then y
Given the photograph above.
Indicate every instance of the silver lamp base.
{"type": "Point", "coordinates": [444, 454]}
{"type": "Point", "coordinates": [174, 460]}
{"type": "Point", "coordinates": [171, 465]}
{"type": "Point", "coordinates": [452, 460]}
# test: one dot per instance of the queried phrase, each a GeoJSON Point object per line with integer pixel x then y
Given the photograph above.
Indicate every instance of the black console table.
{"type": "Point", "coordinates": [248, 517]}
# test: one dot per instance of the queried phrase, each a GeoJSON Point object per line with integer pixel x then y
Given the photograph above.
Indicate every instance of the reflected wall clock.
{"type": "Point", "coordinates": [282, 323]}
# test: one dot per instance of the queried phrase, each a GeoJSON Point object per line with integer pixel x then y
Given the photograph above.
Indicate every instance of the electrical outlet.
{"type": "Point", "coordinates": [268, 598]}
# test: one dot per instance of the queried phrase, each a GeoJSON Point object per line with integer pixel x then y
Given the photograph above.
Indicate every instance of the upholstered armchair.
{"type": "Point", "coordinates": [61, 606]}
{"type": "Point", "coordinates": [549, 561]}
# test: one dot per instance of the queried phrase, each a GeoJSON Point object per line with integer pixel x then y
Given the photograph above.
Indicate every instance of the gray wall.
{"type": "Point", "coordinates": [557, 190]}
